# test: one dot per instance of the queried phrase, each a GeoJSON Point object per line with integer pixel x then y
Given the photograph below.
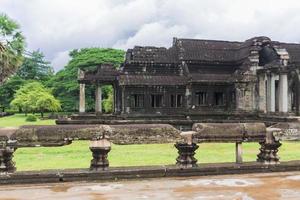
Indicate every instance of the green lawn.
{"type": "Point", "coordinates": [19, 120]}
{"type": "Point", "coordinates": [78, 155]}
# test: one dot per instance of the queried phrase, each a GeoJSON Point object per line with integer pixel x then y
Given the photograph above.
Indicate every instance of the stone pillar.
{"type": "Point", "coordinates": [238, 152]}
{"type": "Point", "coordinates": [283, 93]}
{"type": "Point", "coordinates": [271, 93]}
{"type": "Point", "coordinates": [82, 98]}
{"type": "Point", "coordinates": [188, 96]}
{"type": "Point", "coordinates": [123, 99]}
{"type": "Point", "coordinates": [98, 102]}
{"type": "Point", "coordinates": [262, 93]}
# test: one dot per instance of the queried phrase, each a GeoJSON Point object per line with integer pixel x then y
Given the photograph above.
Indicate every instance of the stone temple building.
{"type": "Point", "coordinates": [256, 77]}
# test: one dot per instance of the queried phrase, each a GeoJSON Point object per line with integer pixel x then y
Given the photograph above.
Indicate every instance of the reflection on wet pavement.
{"type": "Point", "coordinates": [272, 186]}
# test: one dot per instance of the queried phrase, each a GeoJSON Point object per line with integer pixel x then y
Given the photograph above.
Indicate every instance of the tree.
{"type": "Point", "coordinates": [47, 102]}
{"type": "Point", "coordinates": [65, 85]}
{"type": "Point", "coordinates": [35, 67]}
{"type": "Point", "coordinates": [34, 97]}
{"type": "Point", "coordinates": [12, 45]}
{"type": "Point", "coordinates": [8, 89]}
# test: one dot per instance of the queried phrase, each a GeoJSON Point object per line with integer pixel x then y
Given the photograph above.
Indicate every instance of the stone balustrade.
{"type": "Point", "coordinates": [35, 136]}
{"type": "Point", "coordinates": [229, 132]}
{"type": "Point", "coordinates": [101, 137]}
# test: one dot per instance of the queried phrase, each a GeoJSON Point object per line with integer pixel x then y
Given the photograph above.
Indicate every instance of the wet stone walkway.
{"type": "Point", "coordinates": [273, 186]}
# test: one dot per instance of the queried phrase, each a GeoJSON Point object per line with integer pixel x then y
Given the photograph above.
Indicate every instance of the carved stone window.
{"type": "Point", "coordinates": [202, 98]}
{"type": "Point", "coordinates": [219, 99]}
{"type": "Point", "coordinates": [156, 100]}
{"type": "Point", "coordinates": [137, 100]}
{"type": "Point", "coordinates": [176, 100]}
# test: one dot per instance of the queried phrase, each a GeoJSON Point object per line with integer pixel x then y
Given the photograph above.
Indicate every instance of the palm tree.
{"type": "Point", "coordinates": [11, 47]}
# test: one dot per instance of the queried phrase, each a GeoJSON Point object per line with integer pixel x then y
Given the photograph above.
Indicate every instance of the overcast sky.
{"type": "Point", "coordinates": [57, 26]}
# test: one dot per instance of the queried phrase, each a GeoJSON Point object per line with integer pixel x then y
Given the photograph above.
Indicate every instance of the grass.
{"type": "Point", "coordinates": [19, 120]}
{"type": "Point", "coordinates": [78, 155]}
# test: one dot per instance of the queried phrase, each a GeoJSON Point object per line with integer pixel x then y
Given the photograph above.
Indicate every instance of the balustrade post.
{"type": "Point", "coordinates": [100, 147]}
{"type": "Point", "coordinates": [186, 151]}
{"type": "Point", "coordinates": [7, 150]}
{"type": "Point", "coordinates": [269, 149]}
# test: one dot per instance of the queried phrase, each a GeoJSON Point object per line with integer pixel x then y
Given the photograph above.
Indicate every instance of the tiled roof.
{"type": "Point", "coordinates": [152, 80]}
{"type": "Point", "coordinates": [208, 50]}
{"type": "Point", "coordinates": [151, 54]}
{"type": "Point", "coordinates": [224, 78]}
{"type": "Point", "coordinates": [293, 50]}
{"type": "Point", "coordinates": [102, 73]}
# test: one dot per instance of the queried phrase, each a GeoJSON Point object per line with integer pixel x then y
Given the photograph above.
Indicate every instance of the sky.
{"type": "Point", "coordinates": [57, 26]}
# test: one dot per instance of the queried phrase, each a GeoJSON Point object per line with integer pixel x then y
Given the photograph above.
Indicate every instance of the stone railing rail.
{"type": "Point", "coordinates": [36, 136]}
{"type": "Point", "coordinates": [101, 136]}
{"type": "Point", "coordinates": [229, 132]}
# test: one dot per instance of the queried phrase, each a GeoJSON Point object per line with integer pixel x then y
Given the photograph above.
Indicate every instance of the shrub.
{"type": "Point", "coordinates": [31, 118]}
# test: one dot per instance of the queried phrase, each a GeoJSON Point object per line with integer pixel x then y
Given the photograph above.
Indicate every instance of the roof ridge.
{"type": "Point", "coordinates": [211, 40]}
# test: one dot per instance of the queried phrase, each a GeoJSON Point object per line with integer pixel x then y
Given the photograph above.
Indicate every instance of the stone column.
{"type": "Point", "coordinates": [98, 103]}
{"type": "Point", "coordinates": [188, 96]}
{"type": "Point", "coordinates": [82, 98]}
{"type": "Point", "coordinates": [238, 152]}
{"type": "Point", "coordinates": [123, 99]}
{"type": "Point", "coordinates": [262, 93]}
{"type": "Point", "coordinates": [283, 93]}
{"type": "Point", "coordinates": [271, 93]}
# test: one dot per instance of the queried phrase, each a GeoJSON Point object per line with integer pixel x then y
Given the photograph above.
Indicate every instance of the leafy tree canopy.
{"type": "Point", "coordinates": [34, 97]}
{"type": "Point", "coordinates": [8, 89]}
{"type": "Point", "coordinates": [35, 67]}
{"type": "Point", "coordinates": [65, 85]}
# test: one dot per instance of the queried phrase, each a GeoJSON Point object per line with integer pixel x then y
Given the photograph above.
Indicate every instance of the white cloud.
{"type": "Point", "coordinates": [153, 34]}
{"type": "Point", "coordinates": [55, 26]}
{"type": "Point", "coordinates": [60, 60]}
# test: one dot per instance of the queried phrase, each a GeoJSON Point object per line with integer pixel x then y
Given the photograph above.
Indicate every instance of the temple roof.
{"type": "Point", "coordinates": [293, 50]}
{"type": "Point", "coordinates": [151, 54]}
{"type": "Point", "coordinates": [152, 80]}
{"type": "Point", "coordinates": [103, 73]}
{"type": "Point", "coordinates": [206, 51]}
{"type": "Point", "coordinates": [195, 60]}
{"type": "Point", "coordinates": [221, 78]}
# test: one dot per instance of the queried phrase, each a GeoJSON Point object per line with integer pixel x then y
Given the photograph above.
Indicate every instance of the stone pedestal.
{"type": "Point", "coordinates": [186, 155]}
{"type": "Point", "coordinates": [268, 153]}
{"type": "Point", "coordinates": [99, 161]}
{"type": "Point", "coordinates": [6, 162]}
{"type": "Point", "coordinates": [100, 148]}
